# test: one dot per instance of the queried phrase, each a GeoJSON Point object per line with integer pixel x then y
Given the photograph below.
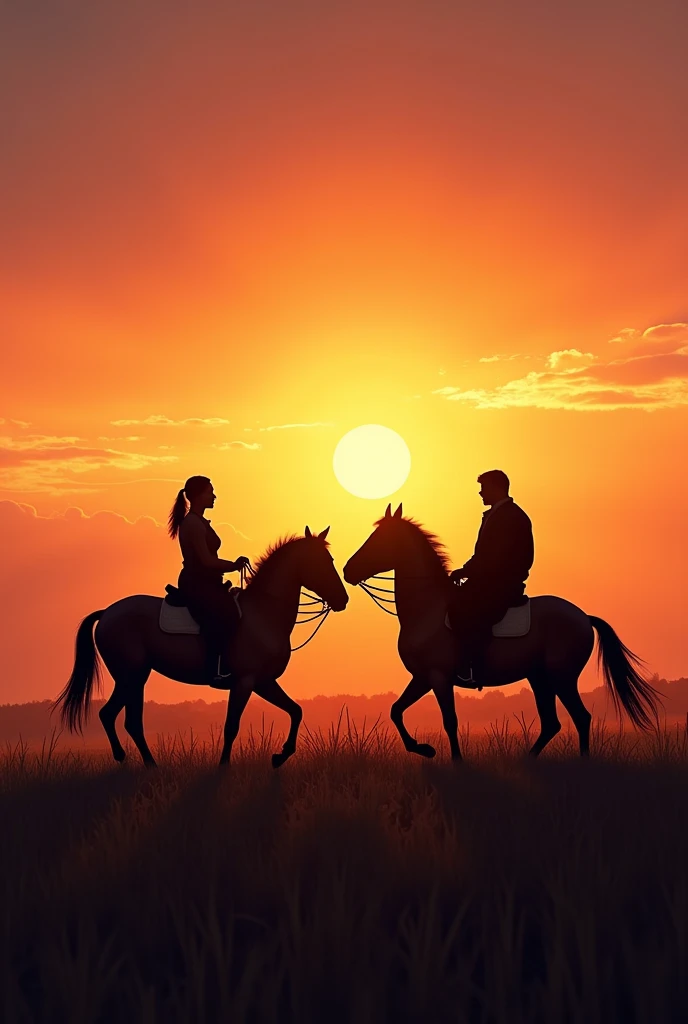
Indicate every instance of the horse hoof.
{"type": "Point", "coordinates": [150, 764]}
{"type": "Point", "coordinates": [424, 749]}
{"type": "Point", "coordinates": [279, 759]}
{"type": "Point", "coordinates": [120, 757]}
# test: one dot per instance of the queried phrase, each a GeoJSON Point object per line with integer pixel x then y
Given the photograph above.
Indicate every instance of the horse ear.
{"type": "Point", "coordinates": [323, 535]}
{"type": "Point", "coordinates": [397, 514]}
{"type": "Point", "coordinates": [308, 532]}
{"type": "Point", "coordinates": [388, 512]}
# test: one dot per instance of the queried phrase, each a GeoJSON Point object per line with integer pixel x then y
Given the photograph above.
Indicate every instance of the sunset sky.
{"type": "Point", "coordinates": [231, 232]}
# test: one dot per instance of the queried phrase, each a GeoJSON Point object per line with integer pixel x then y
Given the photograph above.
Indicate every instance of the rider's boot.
{"type": "Point", "coordinates": [464, 669]}
{"type": "Point", "coordinates": [216, 665]}
{"type": "Point", "coordinates": [470, 669]}
{"type": "Point", "coordinates": [219, 672]}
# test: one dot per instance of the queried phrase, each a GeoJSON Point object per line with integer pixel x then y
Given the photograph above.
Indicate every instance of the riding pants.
{"type": "Point", "coordinates": [213, 608]}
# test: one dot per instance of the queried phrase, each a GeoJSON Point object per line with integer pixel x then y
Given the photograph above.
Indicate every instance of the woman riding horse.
{"type": "Point", "coordinates": [200, 581]}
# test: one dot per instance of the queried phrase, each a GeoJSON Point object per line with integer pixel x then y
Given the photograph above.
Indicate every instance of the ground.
{"type": "Point", "coordinates": [357, 884]}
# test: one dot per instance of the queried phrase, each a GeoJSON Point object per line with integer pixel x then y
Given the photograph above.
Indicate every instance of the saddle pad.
{"type": "Point", "coordinates": [180, 620]}
{"type": "Point", "coordinates": [516, 622]}
{"type": "Point", "coordinates": [177, 620]}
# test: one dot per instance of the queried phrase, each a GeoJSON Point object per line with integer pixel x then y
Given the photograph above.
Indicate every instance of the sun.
{"type": "Point", "coordinates": [371, 461]}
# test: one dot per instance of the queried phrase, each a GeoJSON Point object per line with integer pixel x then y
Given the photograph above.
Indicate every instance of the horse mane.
{"type": "Point", "coordinates": [274, 549]}
{"type": "Point", "coordinates": [433, 540]}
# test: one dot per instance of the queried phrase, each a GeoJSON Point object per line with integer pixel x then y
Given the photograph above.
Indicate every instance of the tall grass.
{"type": "Point", "coordinates": [357, 884]}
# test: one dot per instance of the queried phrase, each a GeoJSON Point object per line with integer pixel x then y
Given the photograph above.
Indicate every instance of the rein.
{"type": "Point", "coordinates": [368, 588]}
{"type": "Point", "coordinates": [247, 571]}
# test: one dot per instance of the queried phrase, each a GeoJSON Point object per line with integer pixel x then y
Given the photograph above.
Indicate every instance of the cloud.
{"type": "Point", "coordinates": [502, 357]}
{"type": "Point", "coordinates": [131, 437]}
{"type": "Point", "coordinates": [165, 421]}
{"type": "Point", "coordinates": [37, 442]}
{"type": "Point", "coordinates": [446, 392]}
{"type": "Point", "coordinates": [226, 445]}
{"type": "Point", "coordinates": [662, 338]}
{"type": "Point", "coordinates": [53, 465]}
{"type": "Point", "coordinates": [624, 335]}
{"type": "Point", "coordinates": [652, 375]}
{"type": "Point", "coordinates": [568, 355]}
{"type": "Point", "coordinates": [296, 426]}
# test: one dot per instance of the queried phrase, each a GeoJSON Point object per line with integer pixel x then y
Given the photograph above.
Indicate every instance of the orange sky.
{"type": "Point", "coordinates": [233, 232]}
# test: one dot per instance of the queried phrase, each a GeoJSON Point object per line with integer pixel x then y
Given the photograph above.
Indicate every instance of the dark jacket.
{"type": "Point", "coordinates": [503, 551]}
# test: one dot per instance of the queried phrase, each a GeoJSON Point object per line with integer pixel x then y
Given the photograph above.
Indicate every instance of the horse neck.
{"type": "Point", "coordinates": [276, 588]}
{"type": "Point", "coordinates": [418, 579]}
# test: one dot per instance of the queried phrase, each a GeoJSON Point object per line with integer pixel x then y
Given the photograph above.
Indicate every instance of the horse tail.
{"type": "Point", "coordinates": [75, 698]}
{"type": "Point", "coordinates": [620, 667]}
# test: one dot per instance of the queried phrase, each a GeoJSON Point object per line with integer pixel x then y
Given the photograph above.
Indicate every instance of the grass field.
{"type": "Point", "coordinates": [357, 884]}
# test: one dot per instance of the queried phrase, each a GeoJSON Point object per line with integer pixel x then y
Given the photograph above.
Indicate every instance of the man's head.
{"type": "Point", "coordinates": [494, 486]}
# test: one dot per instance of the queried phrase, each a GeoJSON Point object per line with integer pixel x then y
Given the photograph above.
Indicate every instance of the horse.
{"type": "Point", "coordinates": [550, 656]}
{"type": "Point", "coordinates": [131, 644]}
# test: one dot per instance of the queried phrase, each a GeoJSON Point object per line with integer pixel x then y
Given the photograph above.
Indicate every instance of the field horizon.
{"type": "Point", "coordinates": [33, 723]}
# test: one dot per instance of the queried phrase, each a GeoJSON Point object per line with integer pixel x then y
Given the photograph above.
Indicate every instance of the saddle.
{"type": "Point", "coordinates": [516, 621]}
{"type": "Point", "coordinates": [175, 617]}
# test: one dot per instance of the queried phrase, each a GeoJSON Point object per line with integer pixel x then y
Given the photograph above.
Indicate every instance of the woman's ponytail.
{"type": "Point", "coordinates": [177, 513]}
{"type": "Point", "coordinates": [193, 487]}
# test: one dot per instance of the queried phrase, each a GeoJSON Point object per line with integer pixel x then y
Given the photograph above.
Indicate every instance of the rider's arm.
{"type": "Point", "coordinates": [195, 537]}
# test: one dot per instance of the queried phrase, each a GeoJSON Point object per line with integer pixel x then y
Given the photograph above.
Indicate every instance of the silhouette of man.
{"type": "Point", "coordinates": [494, 577]}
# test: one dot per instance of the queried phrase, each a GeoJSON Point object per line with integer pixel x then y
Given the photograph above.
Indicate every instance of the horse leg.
{"type": "Point", "coordinates": [108, 716]}
{"type": "Point", "coordinates": [416, 689]}
{"type": "Point", "coordinates": [545, 701]}
{"type": "Point", "coordinates": [567, 692]}
{"type": "Point", "coordinates": [271, 691]}
{"type": "Point", "coordinates": [238, 699]}
{"type": "Point", "coordinates": [133, 717]}
{"type": "Point", "coordinates": [442, 687]}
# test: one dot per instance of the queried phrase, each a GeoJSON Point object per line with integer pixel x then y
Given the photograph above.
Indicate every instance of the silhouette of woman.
{"type": "Point", "coordinates": [200, 581]}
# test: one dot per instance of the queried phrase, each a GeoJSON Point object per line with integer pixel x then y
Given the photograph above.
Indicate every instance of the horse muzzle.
{"type": "Point", "coordinates": [351, 577]}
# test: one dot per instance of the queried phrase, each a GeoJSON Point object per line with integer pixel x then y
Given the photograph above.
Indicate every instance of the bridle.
{"type": "Point", "coordinates": [247, 572]}
{"type": "Point", "coordinates": [368, 588]}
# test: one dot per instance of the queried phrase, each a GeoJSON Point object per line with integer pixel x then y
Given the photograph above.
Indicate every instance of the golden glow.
{"type": "Point", "coordinates": [372, 461]}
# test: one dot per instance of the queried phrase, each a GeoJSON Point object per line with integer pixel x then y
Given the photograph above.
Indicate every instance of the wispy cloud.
{"type": "Point", "coordinates": [296, 426]}
{"type": "Point", "coordinates": [226, 445]}
{"type": "Point", "coordinates": [57, 465]}
{"type": "Point", "coordinates": [651, 374]}
{"type": "Point", "coordinates": [37, 442]}
{"type": "Point", "coordinates": [130, 437]}
{"type": "Point", "coordinates": [503, 357]}
{"type": "Point", "coordinates": [165, 421]}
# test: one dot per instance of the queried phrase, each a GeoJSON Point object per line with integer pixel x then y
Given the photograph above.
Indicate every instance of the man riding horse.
{"type": "Point", "coordinates": [494, 577]}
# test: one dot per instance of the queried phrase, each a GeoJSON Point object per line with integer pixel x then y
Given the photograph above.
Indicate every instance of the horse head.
{"type": "Point", "coordinates": [380, 552]}
{"type": "Point", "coordinates": [318, 573]}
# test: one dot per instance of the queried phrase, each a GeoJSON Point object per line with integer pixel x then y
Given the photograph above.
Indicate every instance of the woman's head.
{"type": "Point", "coordinates": [196, 490]}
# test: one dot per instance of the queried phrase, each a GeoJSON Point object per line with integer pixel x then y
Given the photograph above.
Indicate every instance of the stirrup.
{"type": "Point", "coordinates": [220, 674]}
{"type": "Point", "coordinates": [471, 681]}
